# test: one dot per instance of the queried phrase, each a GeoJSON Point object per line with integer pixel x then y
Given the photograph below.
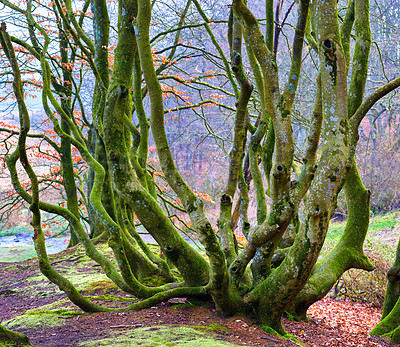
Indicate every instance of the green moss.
{"type": "Point", "coordinates": [12, 338]}
{"type": "Point", "coordinates": [59, 312]}
{"type": "Point", "coordinates": [212, 327]}
{"type": "Point", "coordinates": [294, 339]}
{"type": "Point", "coordinates": [182, 305]}
{"type": "Point", "coordinates": [274, 217]}
{"type": "Point", "coordinates": [103, 285]}
{"type": "Point", "coordinates": [54, 305]}
{"type": "Point", "coordinates": [290, 316]}
{"type": "Point", "coordinates": [41, 317]}
{"type": "Point", "coordinates": [10, 268]}
{"type": "Point", "coordinates": [83, 281]}
{"type": "Point", "coordinates": [286, 336]}
{"type": "Point", "coordinates": [163, 336]}
{"type": "Point", "coordinates": [109, 297]}
{"type": "Point", "coordinates": [269, 330]}
{"type": "Point", "coordinates": [153, 281]}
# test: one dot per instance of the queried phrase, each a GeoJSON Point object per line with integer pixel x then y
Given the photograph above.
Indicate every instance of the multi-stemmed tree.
{"type": "Point", "coordinates": [278, 269]}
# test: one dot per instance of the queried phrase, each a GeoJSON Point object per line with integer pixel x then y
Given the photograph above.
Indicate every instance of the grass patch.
{"type": "Point", "coordinates": [386, 221]}
{"type": "Point", "coordinates": [377, 223]}
{"type": "Point", "coordinates": [16, 254]}
{"type": "Point", "coordinates": [16, 230]}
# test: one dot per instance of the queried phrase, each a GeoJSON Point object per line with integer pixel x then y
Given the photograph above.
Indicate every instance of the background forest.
{"type": "Point", "coordinates": [247, 130]}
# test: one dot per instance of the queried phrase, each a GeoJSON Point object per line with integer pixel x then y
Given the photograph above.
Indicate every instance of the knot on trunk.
{"type": "Point", "coordinates": [169, 249]}
{"type": "Point", "coordinates": [279, 170]}
{"type": "Point", "coordinates": [226, 199]}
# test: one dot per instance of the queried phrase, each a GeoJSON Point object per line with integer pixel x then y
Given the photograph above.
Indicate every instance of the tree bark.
{"type": "Point", "coordinates": [389, 326]}
{"type": "Point", "coordinates": [347, 254]}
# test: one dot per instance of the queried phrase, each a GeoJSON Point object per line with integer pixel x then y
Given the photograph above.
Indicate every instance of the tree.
{"type": "Point", "coordinates": [389, 326]}
{"type": "Point", "coordinates": [284, 246]}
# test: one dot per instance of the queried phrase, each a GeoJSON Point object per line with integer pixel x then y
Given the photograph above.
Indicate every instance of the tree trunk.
{"type": "Point", "coordinates": [389, 326]}
{"type": "Point", "coordinates": [347, 254]}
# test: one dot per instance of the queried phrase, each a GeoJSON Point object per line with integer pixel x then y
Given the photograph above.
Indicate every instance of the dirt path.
{"type": "Point", "coordinates": [54, 321]}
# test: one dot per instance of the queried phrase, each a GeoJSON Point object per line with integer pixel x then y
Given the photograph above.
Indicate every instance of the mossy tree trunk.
{"type": "Point", "coordinates": [67, 163]}
{"type": "Point", "coordinates": [101, 28]}
{"type": "Point", "coordinates": [237, 152]}
{"type": "Point", "coordinates": [226, 296]}
{"type": "Point", "coordinates": [288, 279]}
{"type": "Point", "coordinates": [12, 338]}
{"type": "Point", "coordinates": [389, 326]}
{"type": "Point", "coordinates": [193, 267]}
{"type": "Point", "coordinates": [348, 253]}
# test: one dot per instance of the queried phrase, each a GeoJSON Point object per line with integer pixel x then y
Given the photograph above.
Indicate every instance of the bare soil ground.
{"type": "Point", "coordinates": [22, 288]}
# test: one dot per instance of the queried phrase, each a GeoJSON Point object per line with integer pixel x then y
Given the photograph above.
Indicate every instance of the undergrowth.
{"type": "Point", "coordinates": [358, 284]}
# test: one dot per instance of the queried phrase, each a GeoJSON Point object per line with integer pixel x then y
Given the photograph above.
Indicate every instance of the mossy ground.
{"type": "Point", "coordinates": [41, 317]}
{"type": "Point", "coordinates": [164, 336]}
{"type": "Point", "coordinates": [30, 304]}
{"type": "Point", "coordinates": [56, 321]}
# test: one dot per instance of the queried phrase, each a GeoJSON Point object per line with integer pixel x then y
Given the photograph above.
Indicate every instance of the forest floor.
{"type": "Point", "coordinates": [30, 304]}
